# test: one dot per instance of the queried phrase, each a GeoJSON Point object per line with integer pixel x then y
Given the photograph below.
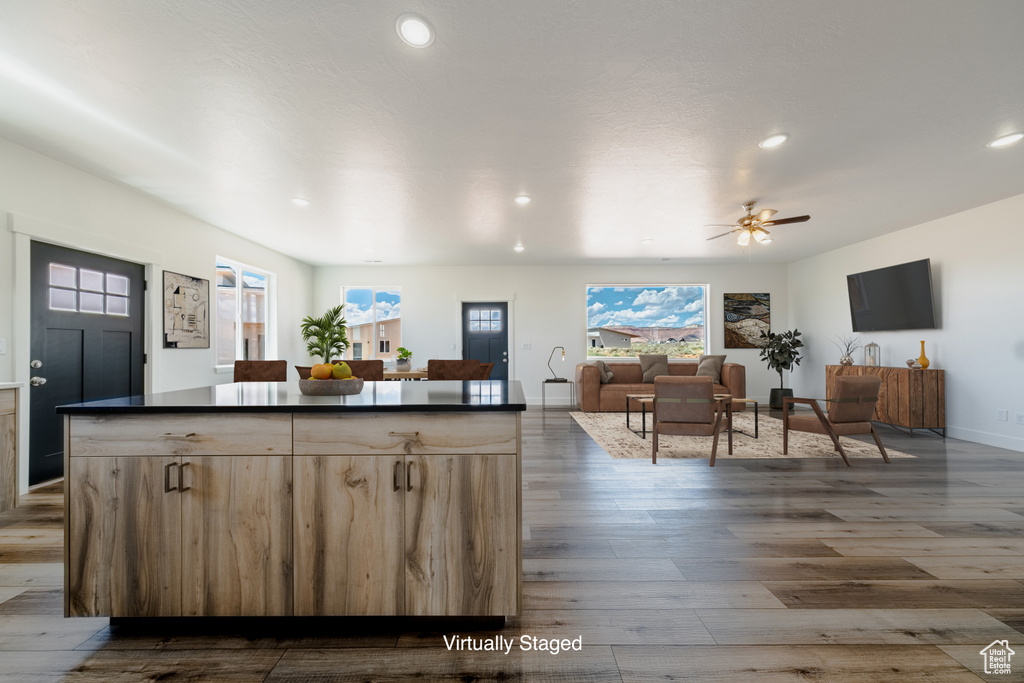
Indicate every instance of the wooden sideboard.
{"type": "Point", "coordinates": [912, 399]}
{"type": "Point", "coordinates": [8, 448]}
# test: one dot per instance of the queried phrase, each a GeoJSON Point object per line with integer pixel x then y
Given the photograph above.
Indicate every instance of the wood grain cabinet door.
{"type": "Point", "coordinates": [125, 538]}
{"type": "Point", "coordinates": [349, 540]}
{"type": "Point", "coordinates": [460, 530]}
{"type": "Point", "coordinates": [236, 535]}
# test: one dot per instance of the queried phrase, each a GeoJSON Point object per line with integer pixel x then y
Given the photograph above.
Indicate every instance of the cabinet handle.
{"type": "Point", "coordinates": [407, 435]}
{"type": "Point", "coordinates": [408, 476]}
{"type": "Point", "coordinates": [167, 477]}
{"type": "Point", "coordinates": [181, 476]}
{"type": "Point", "coordinates": [394, 478]}
{"type": "Point", "coordinates": [177, 436]}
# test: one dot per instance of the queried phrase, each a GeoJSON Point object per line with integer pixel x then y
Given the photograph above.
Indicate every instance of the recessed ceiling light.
{"type": "Point", "coordinates": [414, 30]}
{"type": "Point", "coordinates": [1006, 140]}
{"type": "Point", "coordinates": [773, 141]}
{"type": "Point", "coordinates": [523, 200]}
{"type": "Point", "coordinates": [300, 201]}
{"type": "Point", "coordinates": [647, 241]}
{"type": "Point", "coordinates": [519, 247]}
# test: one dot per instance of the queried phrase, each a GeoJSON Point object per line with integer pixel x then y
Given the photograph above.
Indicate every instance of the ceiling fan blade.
{"type": "Point", "coordinates": [720, 225]}
{"type": "Point", "coordinates": [765, 214]}
{"type": "Point", "coordinates": [722, 235]}
{"type": "Point", "coordinates": [783, 221]}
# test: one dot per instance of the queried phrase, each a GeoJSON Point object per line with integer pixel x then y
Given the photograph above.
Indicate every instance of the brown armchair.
{"type": "Point", "coordinates": [686, 406]}
{"type": "Point", "coordinates": [261, 370]}
{"type": "Point", "coordinates": [849, 412]}
{"type": "Point", "coordinates": [458, 369]}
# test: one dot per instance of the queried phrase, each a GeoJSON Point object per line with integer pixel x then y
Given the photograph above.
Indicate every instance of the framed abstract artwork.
{"type": "Point", "coordinates": [186, 312]}
{"type": "Point", "coordinates": [746, 317]}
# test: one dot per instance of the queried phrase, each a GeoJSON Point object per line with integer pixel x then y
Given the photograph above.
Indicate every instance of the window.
{"type": "Point", "coordinates": [626, 321]}
{"type": "Point", "coordinates": [485, 320]}
{"type": "Point", "coordinates": [242, 312]}
{"type": "Point", "coordinates": [374, 319]}
{"type": "Point", "coordinates": [80, 290]}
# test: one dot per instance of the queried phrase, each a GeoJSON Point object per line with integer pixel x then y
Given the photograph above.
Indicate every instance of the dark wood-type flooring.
{"type": "Point", "coordinates": [756, 570]}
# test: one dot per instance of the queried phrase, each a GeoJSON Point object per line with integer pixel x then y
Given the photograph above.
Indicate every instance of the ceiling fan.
{"type": "Point", "coordinates": [753, 225]}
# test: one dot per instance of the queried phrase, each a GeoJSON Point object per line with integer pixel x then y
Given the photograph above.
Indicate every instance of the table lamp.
{"type": "Point", "coordinates": [555, 376]}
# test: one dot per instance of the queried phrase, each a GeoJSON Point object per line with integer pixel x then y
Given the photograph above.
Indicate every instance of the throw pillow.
{"type": "Point", "coordinates": [652, 365]}
{"type": "Point", "coordinates": [711, 366]}
{"type": "Point", "coordinates": [606, 372]}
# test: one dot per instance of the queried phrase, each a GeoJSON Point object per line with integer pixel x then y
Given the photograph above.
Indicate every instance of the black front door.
{"type": "Point", "coordinates": [485, 335]}
{"type": "Point", "coordinates": [87, 322]}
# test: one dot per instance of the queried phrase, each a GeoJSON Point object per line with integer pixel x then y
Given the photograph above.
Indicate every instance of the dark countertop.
{"type": "Point", "coordinates": [284, 397]}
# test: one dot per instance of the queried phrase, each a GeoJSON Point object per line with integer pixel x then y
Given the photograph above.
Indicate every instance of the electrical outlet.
{"type": "Point", "coordinates": [1019, 418]}
{"type": "Point", "coordinates": [527, 346]}
{"type": "Point", "coordinates": [1002, 415]}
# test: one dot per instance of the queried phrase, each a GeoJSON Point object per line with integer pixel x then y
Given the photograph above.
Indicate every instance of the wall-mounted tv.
{"type": "Point", "coordinates": [894, 298]}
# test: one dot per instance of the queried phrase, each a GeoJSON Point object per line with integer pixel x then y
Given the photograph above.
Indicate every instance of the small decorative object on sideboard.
{"type": "Point", "coordinates": [404, 361]}
{"type": "Point", "coordinates": [923, 359]}
{"type": "Point", "coordinates": [847, 345]}
{"type": "Point", "coordinates": [872, 355]}
{"type": "Point", "coordinates": [913, 364]}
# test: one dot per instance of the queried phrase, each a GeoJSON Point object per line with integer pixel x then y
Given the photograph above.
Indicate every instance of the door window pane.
{"type": "Point", "coordinates": [63, 299]}
{"type": "Point", "coordinates": [227, 313]}
{"type": "Point", "coordinates": [117, 305]}
{"type": "Point", "coordinates": [117, 284]}
{"type": "Point", "coordinates": [90, 302]}
{"type": "Point", "coordinates": [63, 276]}
{"type": "Point", "coordinates": [90, 280]}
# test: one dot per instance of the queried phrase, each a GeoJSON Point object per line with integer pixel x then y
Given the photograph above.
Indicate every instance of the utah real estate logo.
{"type": "Point", "coordinates": [997, 657]}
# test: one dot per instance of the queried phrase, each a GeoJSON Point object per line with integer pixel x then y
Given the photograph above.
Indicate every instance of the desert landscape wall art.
{"type": "Point", "coordinates": [746, 317]}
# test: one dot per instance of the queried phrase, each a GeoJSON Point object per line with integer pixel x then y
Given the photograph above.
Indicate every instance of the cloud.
{"type": "Point", "coordinates": [651, 307]}
{"type": "Point", "coordinates": [619, 303]}
{"type": "Point", "coordinates": [355, 315]}
{"type": "Point", "coordinates": [695, 320]}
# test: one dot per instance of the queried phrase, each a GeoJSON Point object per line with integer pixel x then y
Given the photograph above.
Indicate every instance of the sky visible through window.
{"type": "Point", "coordinates": [648, 319]}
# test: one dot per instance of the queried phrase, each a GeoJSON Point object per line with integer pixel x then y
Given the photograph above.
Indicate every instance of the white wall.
{"type": "Point", "coordinates": [977, 260]}
{"type": "Point", "coordinates": [548, 308]}
{"type": "Point", "coordinates": [44, 199]}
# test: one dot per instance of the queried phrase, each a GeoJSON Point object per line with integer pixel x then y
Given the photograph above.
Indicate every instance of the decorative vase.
{"type": "Point", "coordinates": [846, 359]}
{"type": "Point", "coordinates": [403, 365]}
{"type": "Point", "coordinates": [923, 359]}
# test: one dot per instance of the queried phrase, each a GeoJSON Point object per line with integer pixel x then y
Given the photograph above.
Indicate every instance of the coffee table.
{"type": "Point", "coordinates": [642, 400]}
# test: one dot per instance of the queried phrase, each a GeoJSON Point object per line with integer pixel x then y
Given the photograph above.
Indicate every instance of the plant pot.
{"type": "Point", "coordinates": [776, 396]}
{"type": "Point", "coordinates": [403, 365]}
{"type": "Point", "coordinates": [846, 360]}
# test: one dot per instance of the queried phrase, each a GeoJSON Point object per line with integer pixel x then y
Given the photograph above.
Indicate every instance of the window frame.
{"type": "Point", "coordinates": [270, 337]}
{"type": "Point", "coordinates": [706, 298]}
{"type": "Point", "coordinates": [377, 327]}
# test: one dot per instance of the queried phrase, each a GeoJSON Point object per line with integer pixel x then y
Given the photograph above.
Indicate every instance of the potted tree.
{"type": "Point", "coordinates": [403, 363]}
{"type": "Point", "coordinates": [325, 337]}
{"type": "Point", "coordinates": [780, 352]}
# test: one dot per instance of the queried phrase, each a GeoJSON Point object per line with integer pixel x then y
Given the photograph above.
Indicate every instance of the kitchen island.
{"type": "Point", "coordinates": [251, 499]}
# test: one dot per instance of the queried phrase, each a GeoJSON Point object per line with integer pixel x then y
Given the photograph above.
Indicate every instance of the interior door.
{"type": "Point", "coordinates": [86, 342]}
{"type": "Point", "coordinates": [485, 335]}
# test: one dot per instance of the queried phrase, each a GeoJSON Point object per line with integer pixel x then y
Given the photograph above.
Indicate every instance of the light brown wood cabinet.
{"type": "Point", "coordinates": [154, 536]}
{"type": "Point", "coordinates": [8, 448]}
{"type": "Point", "coordinates": [407, 529]}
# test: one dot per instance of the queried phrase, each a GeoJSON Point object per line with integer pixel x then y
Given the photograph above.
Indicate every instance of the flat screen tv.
{"type": "Point", "coordinates": [893, 298]}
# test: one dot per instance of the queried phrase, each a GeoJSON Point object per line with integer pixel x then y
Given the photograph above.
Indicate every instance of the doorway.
{"type": "Point", "coordinates": [87, 342]}
{"type": "Point", "coordinates": [485, 335]}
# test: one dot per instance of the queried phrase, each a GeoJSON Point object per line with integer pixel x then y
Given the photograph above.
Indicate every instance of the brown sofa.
{"type": "Point", "coordinates": [592, 396]}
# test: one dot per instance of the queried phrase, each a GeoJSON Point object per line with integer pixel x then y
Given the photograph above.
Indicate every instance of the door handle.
{"type": "Point", "coordinates": [37, 381]}
{"type": "Point", "coordinates": [36, 364]}
{"type": "Point", "coordinates": [181, 476]}
{"type": "Point", "coordinates": [405, 435]}
{"type": "Point", "coordinates": [408, 476]}
{"type": "Point", "coordinates": [167, 477]}
{"type": "Point", "coordinates": [394, 476]}
{"type": "Point", "coordinates": [175, 436]}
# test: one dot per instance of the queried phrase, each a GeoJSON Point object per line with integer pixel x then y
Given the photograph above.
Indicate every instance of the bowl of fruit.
{"type": "Point", "coordinates": [330, 379]}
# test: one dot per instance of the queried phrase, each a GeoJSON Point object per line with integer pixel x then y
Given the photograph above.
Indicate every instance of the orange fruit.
{"type": "Point", "coordinates": [321, 371]}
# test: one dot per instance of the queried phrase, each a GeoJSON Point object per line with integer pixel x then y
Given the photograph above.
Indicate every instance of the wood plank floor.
{"type": "Point", "coordinates": [756, 570]}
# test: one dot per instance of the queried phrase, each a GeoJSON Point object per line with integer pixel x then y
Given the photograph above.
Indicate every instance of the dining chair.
{"type": "Point", "coordinates": [440, 369]}
{"type": "Point", "coordinates": [261, 370]}
{"type": "Point", "coordinates": [686, 406]}
{"type": "Point", "coordinates": [849, 412]}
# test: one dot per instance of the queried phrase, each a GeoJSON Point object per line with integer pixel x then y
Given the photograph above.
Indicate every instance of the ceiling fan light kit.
{"type": "Point", "coordinates": [754, 226]}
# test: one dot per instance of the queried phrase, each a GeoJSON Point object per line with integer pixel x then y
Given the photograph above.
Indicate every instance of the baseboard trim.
{"type": "Point", "coordinates": [986, 438]}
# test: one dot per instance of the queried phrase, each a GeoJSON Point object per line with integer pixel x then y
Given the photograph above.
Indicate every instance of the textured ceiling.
{"type": "Point", "coordinates": [623, 120]}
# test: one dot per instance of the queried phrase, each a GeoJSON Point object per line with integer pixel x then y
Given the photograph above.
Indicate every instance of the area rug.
{"type": "Point", "coordinates": [610, 432]}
